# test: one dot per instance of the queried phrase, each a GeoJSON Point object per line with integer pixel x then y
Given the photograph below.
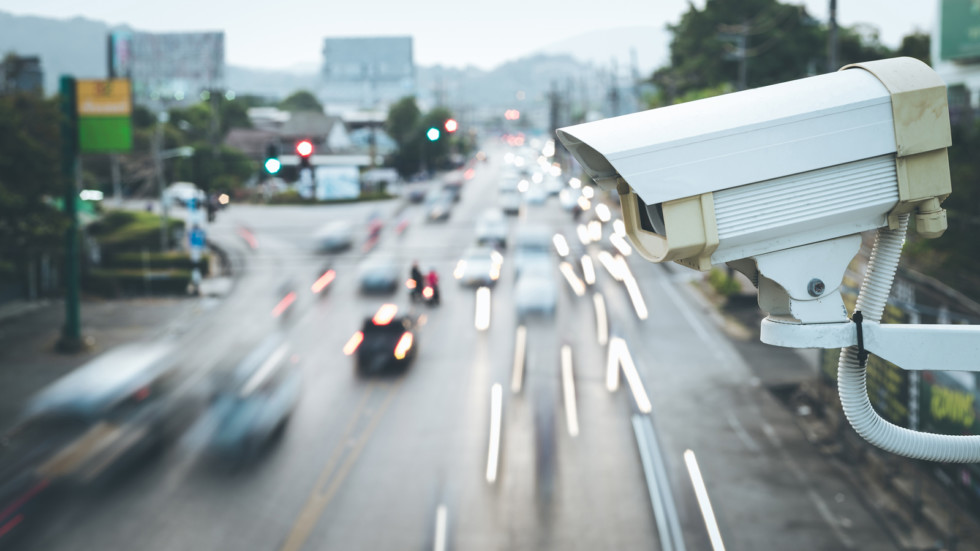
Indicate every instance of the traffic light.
{"type": "Point", "coordinates": [305, 150]}
{"type": "Point", "coordinates": [451, 125]}
{"type": "Point", "coordinates": [272, 164]}
{"type": "Point", "coordinates": [432, 134]}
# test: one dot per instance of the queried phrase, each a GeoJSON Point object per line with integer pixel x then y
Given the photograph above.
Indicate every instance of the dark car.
{"type": "Point", "coordinates": [385, 343]}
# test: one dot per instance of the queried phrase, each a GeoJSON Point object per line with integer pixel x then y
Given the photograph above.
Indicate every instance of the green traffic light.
{"type": "Point", "coordinates": [272, 166]}
{"type": "Point", "coordinates": [432, 134]}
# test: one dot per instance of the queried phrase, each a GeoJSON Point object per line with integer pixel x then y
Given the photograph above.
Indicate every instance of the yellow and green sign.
{"type": "Point", "coordinates": [104, 109]}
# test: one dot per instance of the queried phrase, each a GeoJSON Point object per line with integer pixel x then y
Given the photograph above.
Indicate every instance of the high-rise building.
{"type": "Point", "coordinates": [168, 68]}
{"type": "Point", "coordinates": [21, 74]}
{"type": "Point", "coordinates": [366, 73]}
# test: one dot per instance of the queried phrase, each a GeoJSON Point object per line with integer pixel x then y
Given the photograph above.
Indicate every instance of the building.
{"type": "Point", "coordinates": [955, 48]}
{"type": "Point", "coordinates": [168, 68]}
{"type": "Point", "coordinates": [366, 73]}
{"type": "Point", "coordinates": [21, 74]}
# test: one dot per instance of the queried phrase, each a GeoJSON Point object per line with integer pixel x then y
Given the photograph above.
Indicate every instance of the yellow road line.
{"type": "Point", "coordinates": [329, 482]}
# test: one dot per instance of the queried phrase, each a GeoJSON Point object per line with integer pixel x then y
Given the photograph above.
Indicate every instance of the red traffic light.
{"type": "Point", "coordinates": [512, 114]}
{"type": "Point", "coordinates": [451, 125]}
{"type": "Point", "coordinates": [304, 148]}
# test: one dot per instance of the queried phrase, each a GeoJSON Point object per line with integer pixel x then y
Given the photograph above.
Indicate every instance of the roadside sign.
{"type": "Point", "coordinates": [104, 108]}
{"type": "Point", "coordinates": [197, 238]}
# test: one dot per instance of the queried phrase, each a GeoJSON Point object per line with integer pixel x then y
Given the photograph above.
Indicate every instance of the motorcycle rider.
{"type": "Point", "coordinates": [419, 279]}
{"type": "Point", "coordinates": [433, 281]}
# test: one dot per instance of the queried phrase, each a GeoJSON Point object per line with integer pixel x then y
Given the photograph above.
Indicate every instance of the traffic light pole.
{"type": "Point", "coordinates": [71, 335]}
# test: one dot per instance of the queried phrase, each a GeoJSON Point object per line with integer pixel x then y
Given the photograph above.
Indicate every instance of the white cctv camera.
{"type": "Point", "coordinates": [779, 182]}
{"type": "Point", "coordinates": [737, 177]}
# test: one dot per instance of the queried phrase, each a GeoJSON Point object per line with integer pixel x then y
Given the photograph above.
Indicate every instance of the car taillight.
{"type": "Point", "coordinates": [403, 346]}
{"type": "Point", "coordinates": [324, 280]}
{"type": "Point", "coordinates": [353, 343]}
{"type": "Point", "coordinates": [385, 314]}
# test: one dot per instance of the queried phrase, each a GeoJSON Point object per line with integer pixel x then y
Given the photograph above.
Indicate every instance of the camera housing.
{"type": "Point", "coordinates": [749, 173]}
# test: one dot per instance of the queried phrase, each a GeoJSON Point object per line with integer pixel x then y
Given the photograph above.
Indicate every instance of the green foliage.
{"type": "Point", "coordinates": [916, 45]}
{"type": "Point", "coordinates": [953, 257]}
{"type": "Point", "coordinates": [223, 168]}
{"type": "Point", "coordinates": [170, 260]}
{"type": "Point", "coordinates": [30, 175]}
{"type": "Point", "coordinates": [403, 119]}
{"type": "Point", "coordinates": [407, 126]}
{"type": "Point", "coordinates": [129, 282]}
{"type": "Point", "coordinates": [301, 100]}
{"type": "Point", "coordinates": [722, 283]}
{"type": "Point", "coordinates": [130, 231]}
{"type": "Point", "coordinates": [783, 43]}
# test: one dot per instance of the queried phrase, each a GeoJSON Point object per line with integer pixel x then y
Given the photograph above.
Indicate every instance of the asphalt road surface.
{"type": "Point", "coordinates": [473, 448]}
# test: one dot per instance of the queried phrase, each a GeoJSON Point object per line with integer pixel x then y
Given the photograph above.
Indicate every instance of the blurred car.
{"type": "Point", "coordinates": [535, 292]}
{"type": "Point", "coordinates": [568, 198]}
{"type": "Point", "coordinates": [335, 236]}
{"type": "Point", "coordinates": [88, 425]}
{"type": "Point", "coordinates": [510, 202]}
{"type": "Point", "coordinates": [252, 403]}
{"type": "Point", "coordinates": [438, 206]}
{"type": "Point", "coordinates": [479, 266]}
{"type": "Point", "coordinates": [416, 193]}
{"type": "Point", "coordinates": [536, 195]}
{"type": "Point", "coordinates": [553, 185]}
{"type": "Point", "coordinates": [379, 274]}
{"type": "Point", "coordinates": [181, 193]}
{"type": "Point", "coordinates": [454, 188]}
{"type": "Point", "coordinates": [531, 243]}
{"type": "Point", "coordinates": [491, 228]}
{"type": "Point", "coordinates": [386, 342]}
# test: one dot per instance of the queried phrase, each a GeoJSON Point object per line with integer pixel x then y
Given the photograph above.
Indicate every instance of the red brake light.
{"type": "Point", "coordinates": [283, 304]}
{"type": "Point", "coordinates": [385, 314]}
{"type": "Point", "coordinates": [403, 346]}
{"type": "Point", "coordinates": [353, 343]}
{"type": "Point", "coordinates": [324, 280]}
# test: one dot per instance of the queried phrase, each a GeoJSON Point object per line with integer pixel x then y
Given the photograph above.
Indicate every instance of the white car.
{"type": "Point", "coordinates": [510, 202]}
{"type": "Point", "coordinates": [335, 236]}
{"type": "Point", "coordinates": [479, 266]}
{"type": "Point", "coordinates": [535, 292]}
{"type": "Point", "coordinates": [491, 228]}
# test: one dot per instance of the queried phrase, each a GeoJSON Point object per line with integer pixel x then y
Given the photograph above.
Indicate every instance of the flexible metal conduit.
{"type": "Point", "coordinates": [852, 377]}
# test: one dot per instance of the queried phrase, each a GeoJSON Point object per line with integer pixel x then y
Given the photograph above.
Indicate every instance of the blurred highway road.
{"type": "Point", "coordinates": [460, 452]}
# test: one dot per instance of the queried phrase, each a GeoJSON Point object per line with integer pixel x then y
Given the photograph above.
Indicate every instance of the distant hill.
{"type": "Point", "coordinates": [601, 47]}
{"type": "Point", "coordinates": [579, 67]}
{"type": "Point", "coordinates": [74, 46]}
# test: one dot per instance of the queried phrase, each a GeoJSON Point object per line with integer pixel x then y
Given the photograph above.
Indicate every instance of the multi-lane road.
{"type": "Point", "coordinates": [478, 446]}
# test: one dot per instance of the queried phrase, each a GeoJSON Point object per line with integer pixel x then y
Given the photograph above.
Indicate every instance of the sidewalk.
{"type": "Point", "coordinates": [29, 362]}
{"type": "Point", "coordinates": [30, 329]}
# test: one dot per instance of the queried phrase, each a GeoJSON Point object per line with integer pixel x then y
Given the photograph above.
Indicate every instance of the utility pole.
{"type": "Point", "coordinates": [162, 119]}
{"type": "Point", "coordinates": [71, 335]}
{"type": "Point", "coordinates": [116, 178]}
{"type": "Point", "coordinates": [832, 39]}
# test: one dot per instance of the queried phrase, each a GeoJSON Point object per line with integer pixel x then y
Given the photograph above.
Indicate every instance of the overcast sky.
{"type": "Point", "coordinates": [284, 33]}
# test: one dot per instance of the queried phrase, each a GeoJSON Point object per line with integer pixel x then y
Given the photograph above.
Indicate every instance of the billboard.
{"type": "Point", "coordinates": [104, 108]}
{"type": "Point", "coordinates": [959, 29]}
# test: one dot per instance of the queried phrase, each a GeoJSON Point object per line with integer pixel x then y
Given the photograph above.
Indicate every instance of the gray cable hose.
{"type": "Point", "coordinates": [852, 377]}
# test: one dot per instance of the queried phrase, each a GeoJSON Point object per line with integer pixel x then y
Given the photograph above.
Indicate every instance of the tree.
{"type": "Point", "coordinates": [916, 45]}
{"type": "Point", "coordinates": [30, 181]}
{"type": "Point", "coordinates": [301, 100]}
{"type": "Point", "coordinates": [403, 119]}
{"type": "Point", "coordinates": [782, 42]}
{"type": "Point", "coordinates": [402, 125]}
